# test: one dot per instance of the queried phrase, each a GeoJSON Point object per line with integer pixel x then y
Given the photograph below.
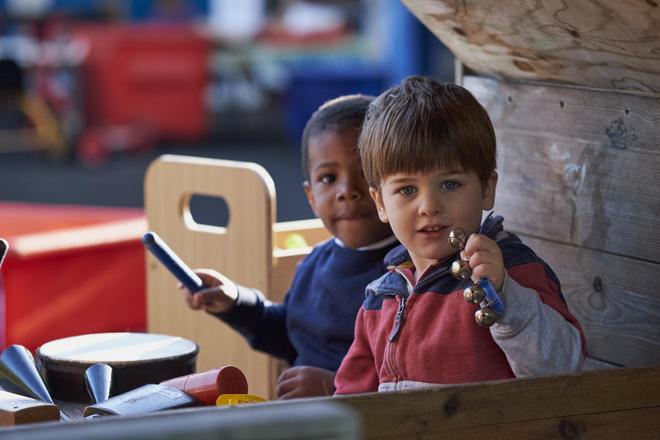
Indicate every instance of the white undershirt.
{"type": "Point", "coordinates": [377, 245]}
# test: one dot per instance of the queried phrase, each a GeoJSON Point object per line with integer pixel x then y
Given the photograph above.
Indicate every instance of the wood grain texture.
{"type": "Point", "coordinates": [248, 251]}
{"type": "Point", "coordinates": [589, 402]}
{"type": "Point", "coordinates": [591, 364]}
{"type": "Point", "coordinates": [577, 166]}
{"type": "Point", "coordinates": [242, 251]}
{"type": "Point", "coordinates": [615, 299]}
{"type": "Point", "coordinates": [629, 424]}
{"type": "Point", "coordinates": [312, 230]}
{"type": "Point", "coordinates": [610, 44]}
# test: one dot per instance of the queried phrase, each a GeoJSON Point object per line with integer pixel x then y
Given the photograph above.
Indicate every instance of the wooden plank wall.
{"type": "Point", "coordinates": [609, 44]}
{"type": "Point", "coordinates": [580, 180]}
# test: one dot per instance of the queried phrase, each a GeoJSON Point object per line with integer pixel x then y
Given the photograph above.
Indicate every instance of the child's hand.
{"type": "Point", "coordinates": [485, 259]}
{"type": "Point", "coordinates": [218, 295]}
{"type": "Point", "coordinates": [305, 382]}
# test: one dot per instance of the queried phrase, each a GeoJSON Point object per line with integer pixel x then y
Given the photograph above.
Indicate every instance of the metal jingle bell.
{"type": "Point", "coordinates": [474, 294]}
{"type": "Point", "coordinates": [457, 238]}
{"type": "Point", "coordinates": [485, 317]}
{"type": "Point", "coordinates": [460, 269]}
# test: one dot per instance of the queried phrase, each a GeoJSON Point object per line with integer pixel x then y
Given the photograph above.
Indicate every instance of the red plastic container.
{"type": "Point", "coordinates": [70, 270]}
{"type": "Point", "coordinates": [154, 76]}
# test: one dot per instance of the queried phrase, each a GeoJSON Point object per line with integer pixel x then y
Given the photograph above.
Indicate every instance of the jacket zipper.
{"type": "Point", "coordinates": [398, 319]}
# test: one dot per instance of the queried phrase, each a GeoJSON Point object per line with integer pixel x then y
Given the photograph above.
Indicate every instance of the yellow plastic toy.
{"type": "Point", "coordinates": [237, 399]}
{"type": "Point", "coordinates": [295, 241]}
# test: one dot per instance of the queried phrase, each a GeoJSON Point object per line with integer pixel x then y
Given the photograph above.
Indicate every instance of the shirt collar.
{"type": "Point", "coordinates": [373, 246]}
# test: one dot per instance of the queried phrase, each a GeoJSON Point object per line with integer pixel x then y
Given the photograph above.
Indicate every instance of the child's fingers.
{"type": "Point", "coordinates": [485, 259]}
{"type": "Point", "coordinates": [287, 387]}
{"type": "Point", "coordinates": [209, 277]}
{"type": "Point", "coordinates": [209, 296]}
{"type": "Point", "coordinates": [477, 242]}
{"type": "Point", "coordinates": [305, 381]}
{"type": "Point", "coordinates": [492, 271]}
{"type": "Point", "coordinates": [212, 300]}
{"type": "Point", "coordinates": [485, 256]}
{"type": "Point", "coordinates": [288, 374]}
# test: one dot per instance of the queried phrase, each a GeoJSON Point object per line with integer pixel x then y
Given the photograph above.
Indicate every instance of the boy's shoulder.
{"type": "Point", "coordinates": [514, 251]}
{"type": "Point", "coordinates": [517, 254]}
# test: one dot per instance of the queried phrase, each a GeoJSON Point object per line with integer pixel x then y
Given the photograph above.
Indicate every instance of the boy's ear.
{"type": "Point", "coordinates": [378, 201]}
{"type": "Point", "coordinates": [489, 192]}
{"type": "Point", "coordinates": [310, 196]}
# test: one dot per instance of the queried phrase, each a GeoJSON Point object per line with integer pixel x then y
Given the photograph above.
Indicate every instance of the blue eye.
{"type": "Point", "coordinates": [327, 178]}
{"type": "Point", "coordinates": [450, 185]}
{"type": "Point", "coordinates": [408, 190]}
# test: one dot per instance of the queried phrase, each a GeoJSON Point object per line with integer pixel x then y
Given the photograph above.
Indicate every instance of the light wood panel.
{"type": "Point", "coordinates": [242, 251]}
{"type": "Point", "coordinates": [250, 250]}
{"type": "Point", "coordinates": [609, 44]}
{"type": "Point", "coordinates": [577, 166]}
{"type": "Point", "coordinates": [620, 403]}
{"type": "Point", "coordinates": [311, 230]}
{"type": "Point", "coordinates": [615, 298]}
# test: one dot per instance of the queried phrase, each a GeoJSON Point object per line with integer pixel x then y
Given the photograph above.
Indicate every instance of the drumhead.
{"type": "Point", "coordinates": [117, 348]}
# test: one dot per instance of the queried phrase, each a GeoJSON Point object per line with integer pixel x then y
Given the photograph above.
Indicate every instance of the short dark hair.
{"type": "Point", "coordinates": [338, 114]}
{"type": "Point", "coordinates": [423, 124]}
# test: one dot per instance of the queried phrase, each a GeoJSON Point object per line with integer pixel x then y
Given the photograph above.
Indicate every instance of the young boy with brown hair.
{"type": "Point", "coordinates": [313, 328]}
{"type": "Point", "coordinates": [429, 156]}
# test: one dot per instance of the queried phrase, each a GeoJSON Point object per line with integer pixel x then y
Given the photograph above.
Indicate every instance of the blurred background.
{"type": "Point", "coordinates": [92, 90]}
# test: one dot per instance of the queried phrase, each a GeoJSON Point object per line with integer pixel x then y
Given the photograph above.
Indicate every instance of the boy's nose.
{"type": "Point", "coordinates": [429, 206]}
{"type": "Point", "coordinates": [348, 191]}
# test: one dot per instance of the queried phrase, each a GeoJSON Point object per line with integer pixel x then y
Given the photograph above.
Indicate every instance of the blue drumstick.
{"type": "Point", "coordinates": [171, 261]}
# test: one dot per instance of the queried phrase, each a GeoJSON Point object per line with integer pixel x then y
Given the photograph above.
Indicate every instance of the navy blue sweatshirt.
{"type": "Point", "coordinates": [315, 324]}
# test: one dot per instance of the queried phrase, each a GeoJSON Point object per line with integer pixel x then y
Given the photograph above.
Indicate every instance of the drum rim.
{"type": "Point", "coordinates": [46, 358]}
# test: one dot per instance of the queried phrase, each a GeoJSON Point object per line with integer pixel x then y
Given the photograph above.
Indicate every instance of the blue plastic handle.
{"type": "Point", "coordinates": [171, 261]}
{"type": "Point", "coordinates": [492, 297]}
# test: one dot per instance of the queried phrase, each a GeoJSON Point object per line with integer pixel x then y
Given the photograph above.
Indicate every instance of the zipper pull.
{"type": "Point", "coordinates": [398, 320]}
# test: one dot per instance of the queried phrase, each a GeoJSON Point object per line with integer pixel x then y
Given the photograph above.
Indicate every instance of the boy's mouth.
{"type": "Point", "coordinates": [356, 214]}
{"type": "Point", "coordinates": [430, 229]}
{"type": "Point", "coordinates": [351, 216]}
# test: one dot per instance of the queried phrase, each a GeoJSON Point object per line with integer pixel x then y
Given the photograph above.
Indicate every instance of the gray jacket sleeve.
{"type": "Point", "coordinates": [535, 338]}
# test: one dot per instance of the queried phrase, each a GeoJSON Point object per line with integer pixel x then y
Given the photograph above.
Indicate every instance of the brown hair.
{"type": "Point", "coordinates": [423, 124]}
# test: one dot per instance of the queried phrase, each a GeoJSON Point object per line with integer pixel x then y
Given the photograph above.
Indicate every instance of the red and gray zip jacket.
{"type": "Point", "coordinates": [416, 336]}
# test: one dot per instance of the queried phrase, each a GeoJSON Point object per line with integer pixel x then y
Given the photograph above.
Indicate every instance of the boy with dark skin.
{"type": "Point", "coordinates": [313, 328]}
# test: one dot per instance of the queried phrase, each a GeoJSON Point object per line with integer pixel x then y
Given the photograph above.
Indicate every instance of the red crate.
{"type": "Point", "coordinates": [154, 76]}
{"type": "Point", "coordinates": [70, 270]}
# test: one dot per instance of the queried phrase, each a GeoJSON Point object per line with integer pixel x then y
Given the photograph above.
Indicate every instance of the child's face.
{"type": "Point", "coordinates": [422, 208]}
{"type": "Point", "coordinates": [337, 191]}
